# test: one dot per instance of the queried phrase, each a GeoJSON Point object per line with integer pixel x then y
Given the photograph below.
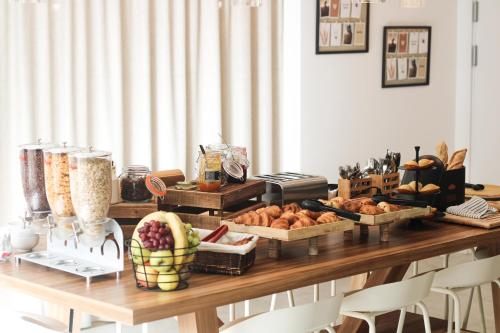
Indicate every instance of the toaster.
{"type": "Point", "coordinates": [286, 187]}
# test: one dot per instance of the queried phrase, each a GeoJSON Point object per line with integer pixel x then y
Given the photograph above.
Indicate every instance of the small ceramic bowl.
{"type": "Point", "coordinates": [23, 240]}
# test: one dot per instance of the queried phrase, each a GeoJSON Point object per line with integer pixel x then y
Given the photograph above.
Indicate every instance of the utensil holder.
{"type": "Point", "coordinates": [352, 188]}
{"type": "Point", "coordinates": [386, 183]}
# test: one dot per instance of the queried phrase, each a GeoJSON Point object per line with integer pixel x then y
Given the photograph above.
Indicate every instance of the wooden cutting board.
{"type": "Point", "coordinates": [490, 192]}
{"type": "Point", "coordinates": [486, 223]}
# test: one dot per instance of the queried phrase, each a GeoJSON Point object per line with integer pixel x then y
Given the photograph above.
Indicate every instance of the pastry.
{"type": "Point", "coordinates": [310, 213]}
{"type": "Point", "coordinates": [242, 219]}
{"type": "Point", "coordinates": [293, 207]}
{"type": "Point", "coordinates": [405, 189]}
{"type": "Point", "coordinates": [332, 203]}
{"type": "Point", "coordinates": [265, 219]}
{"type": "Point", "coordinates": [413, 185]}
{"type": "Point", "coordinates": [290, 217]}
{"type": "Point", "coordinates": [411, 165]}
{"type": "Point", "coordinates": [387, 207]}
{"type": "Point", "coordinates": [371, 210]}
{"type": "Point", "coordinates": [303, 222]}
{"type": "Point", "coordinates": [368, 201]}
{"type": "Point", "coordinates": [429, 189]}
{"type": "Point", "coordinates": [273, 211]}
{"type": "Point", "coordinates": [425, 163]}
{"type": "Point", "coordinates": [280, 224]}
{"type": "Point", "coordinates": [457, 159]}
{"type": "Point", "coordinates": [442, 152]}
{"type": "Point", "coordinates": [328, 217]}
{"type": "Point", "coordinates": [254, 218]}
{"type": "Point", "coordinates": [352, 205]}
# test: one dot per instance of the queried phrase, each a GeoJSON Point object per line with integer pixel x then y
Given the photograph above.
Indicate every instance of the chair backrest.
{"type": "Point", "coordinates": [470, 274]}
{"type": "Point", "coordinates": [391, 296]}
{"type": "Point", "coordinates": [299, 319]}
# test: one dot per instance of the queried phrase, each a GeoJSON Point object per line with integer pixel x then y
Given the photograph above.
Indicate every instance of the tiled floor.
{"type": "Point", "coordinates": [303, 295]}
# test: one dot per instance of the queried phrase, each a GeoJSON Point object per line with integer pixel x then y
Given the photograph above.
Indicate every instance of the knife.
{"type": "Point", "coordinates": [318, 206]}
{"type": "Point", "coordinates": [475, 187]}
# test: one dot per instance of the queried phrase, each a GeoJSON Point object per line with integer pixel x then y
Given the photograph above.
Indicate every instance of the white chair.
{"type": "Point", "coordinates": [369, 303]}
{"type": "Point", "coordinates": [465, 276]}
{"type": "Point", "coordinates": [299, 319]}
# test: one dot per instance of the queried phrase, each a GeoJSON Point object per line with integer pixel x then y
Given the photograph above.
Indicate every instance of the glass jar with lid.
{"type": "Point", "coordinates": [133, 183]}
{"type": "Point", "coordinates": [57, 183]}
{"type": "Point", "coordinates": [209, 171]}
{"type": "Point", "coordinates": [33, 177]}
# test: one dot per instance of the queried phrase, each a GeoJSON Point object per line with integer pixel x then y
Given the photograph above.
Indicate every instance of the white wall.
{"type": "Point", "coordinates": [348, 117]}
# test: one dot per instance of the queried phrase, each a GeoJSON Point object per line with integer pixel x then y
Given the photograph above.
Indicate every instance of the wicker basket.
{"type": "Point", "coordinates": [224, 259]}
{"type": "Point", "coordinates": [223, 263]}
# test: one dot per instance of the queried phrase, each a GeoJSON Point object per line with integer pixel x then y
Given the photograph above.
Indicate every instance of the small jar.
{"type": "Point", "coordinates": [133, 184]}
{"type": "Point", "coordinates": [210, 171]}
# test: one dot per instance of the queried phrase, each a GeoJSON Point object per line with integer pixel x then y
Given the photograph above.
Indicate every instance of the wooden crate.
{"type": "Point", "coordinates": [207, 209]}
{"type": "Point", "coordinates": [384, 220]}
{"type": "Point", "coordinates": [353, 188]}
{"type": "Point", "coordinates": [276, 236]}
{"type": "Point", "coordinates": [386, 183]}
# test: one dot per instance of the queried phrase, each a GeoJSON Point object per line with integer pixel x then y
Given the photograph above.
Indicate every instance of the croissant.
{"type": "Point", "coordinates": [303, 222]}
{"type": "Point", "coordinates": [327, 218]}
{"type": "Point", "coordinates": [254, 218]}
{"type": "Point", "coordinates": [442, 152]}
{"type": "Point", "coordinates": [368, 201]}
{"type": "Point", "coordinates": [265, 220]}
{"type": "Point", "coordinates": [280, 224]}
{"type": "Point", "coordinates": [387, 207]}
{"type": "Point", "coordinates": [273, 211]}
{"type": "Point", "coordinates": [293, 207]}
{"type": "Point", "coordinates": [309, 213]}
{"type": "Point", "coordinates": [352, 206]}
{"type": "Point", "coordinates": [371, 210]}
{"type": "Point", "coordinates": [242, 219]}
{"type": "Point", "coordinates": [290, 217]}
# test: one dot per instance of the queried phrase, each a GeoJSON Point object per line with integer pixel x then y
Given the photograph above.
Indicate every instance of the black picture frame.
{"type": "Point", "coordinates": [408, 82]}
{"type": "Point", "coordinates": [343, 49]}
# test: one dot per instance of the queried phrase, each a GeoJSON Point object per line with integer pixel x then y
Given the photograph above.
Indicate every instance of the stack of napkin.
{"type": "Point", "coordinates": [476, 208]}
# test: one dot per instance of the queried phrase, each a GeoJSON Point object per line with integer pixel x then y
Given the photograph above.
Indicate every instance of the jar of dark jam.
{"type": "Point", "coordinates": [133, 184]}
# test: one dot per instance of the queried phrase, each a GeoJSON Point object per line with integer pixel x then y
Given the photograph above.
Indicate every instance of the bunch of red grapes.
{"type": "Point", "coordinates": [156, 236]}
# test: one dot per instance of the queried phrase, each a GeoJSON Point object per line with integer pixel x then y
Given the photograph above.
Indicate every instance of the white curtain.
{"type": "Point", "coordinates": [148, 80]}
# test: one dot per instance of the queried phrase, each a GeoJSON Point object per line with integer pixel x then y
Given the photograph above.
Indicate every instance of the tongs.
{"type": "Point", "coordinates": [400, 202]}
{"type": "Point", "coordinates": [317, 206]}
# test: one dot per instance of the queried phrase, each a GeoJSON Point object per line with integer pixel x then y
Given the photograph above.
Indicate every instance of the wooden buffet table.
{"type": "Point", "coordinates": [120, 300]}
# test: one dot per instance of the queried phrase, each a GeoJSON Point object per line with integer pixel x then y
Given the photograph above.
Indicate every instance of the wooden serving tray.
{"type": "Point", "coordinates": [490, 222]}
{"type": "Point", "coordinates": [490, 192]}
{"type": "Point", "coordinates": [291, 235]}
{"type": "Point", "coordinates": [404, 214]}
{"type": "Point", "coordinates": [276, 236]}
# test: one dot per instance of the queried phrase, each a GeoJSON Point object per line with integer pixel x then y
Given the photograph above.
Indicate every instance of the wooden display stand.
{"type": "Point", "coordinates": [386, 183]}
{"type": "Point", "coordinates": [353, 188]}
{"type": "Point", "coordinates": [276, 236]}
{"type": "Point", "coordinates": [207, 209]}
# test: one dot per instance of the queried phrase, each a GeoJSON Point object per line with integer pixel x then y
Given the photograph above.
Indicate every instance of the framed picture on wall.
{"type": "Point", "coordinates": [406, 57]}
{"type": "Point", "coordinates": [342, 26]}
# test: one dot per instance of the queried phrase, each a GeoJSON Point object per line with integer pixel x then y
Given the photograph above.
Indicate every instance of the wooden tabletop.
{"type": "Point", "coordinates": [120, 300]}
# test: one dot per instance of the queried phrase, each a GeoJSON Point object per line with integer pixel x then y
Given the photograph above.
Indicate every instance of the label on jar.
{"type": "Point", "coordinates": [212, 176]}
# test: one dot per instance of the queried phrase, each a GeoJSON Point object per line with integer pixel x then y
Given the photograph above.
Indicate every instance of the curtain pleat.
{"type": "Point", "coordinates": [148, 80]}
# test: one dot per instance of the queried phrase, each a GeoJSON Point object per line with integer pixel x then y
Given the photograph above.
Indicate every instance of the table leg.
{"type": "Point", "coordinates": [75, 319]}
{"type": "Point", "coordinates": [203, 321]}
{"type": "Point", "coordinates": [363, 231]}
{"type": "Point", "coordinates": [382, 276]}
{"type": "Point", "coordinates": [495, 290]}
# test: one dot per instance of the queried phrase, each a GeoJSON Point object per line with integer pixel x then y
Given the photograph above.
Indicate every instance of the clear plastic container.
{"type": "Point", "coordinates": [33, 177]}
{"type": "Point", "coordinates": [133, 184]}
{"type": "Point", "coordinates": [90, 184]}
{"type": "Point", "coordinates": [57, 184]}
